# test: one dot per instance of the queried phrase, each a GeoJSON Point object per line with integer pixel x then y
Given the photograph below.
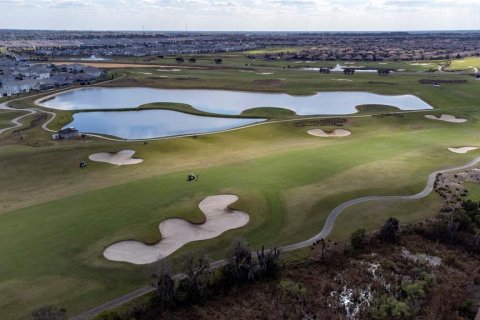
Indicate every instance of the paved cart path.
{"type": "Point", "coordinates": [30, 111]}
{"type": "Point", "coordinates": [327, 228]}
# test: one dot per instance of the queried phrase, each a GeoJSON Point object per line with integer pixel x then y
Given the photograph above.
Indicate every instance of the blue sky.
{"type": "Point", "coordinates": [231, 15]}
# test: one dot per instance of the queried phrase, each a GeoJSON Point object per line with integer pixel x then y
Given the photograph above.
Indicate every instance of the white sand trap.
{"type": "Point", "coordinates": [462, 149]}
{"type": "Point", "coordinates": [446, 118]}
{"type": "Point", "coordinates": [337, 133]}
{"type": "Point", "coordinates": [169, 70]}
{"type": "Point", "coordinates": [119, 158]}
{"type": "Point", "coordinates": [265, 73]}
{"type": "Point", "coordinates": [178, 232]}
{"type": "Point", "coordinates": [421, 64]}
{"type": "Point", "coordinates": [145, 73]}
{"type": "Point", "coordinates": [349, 80]}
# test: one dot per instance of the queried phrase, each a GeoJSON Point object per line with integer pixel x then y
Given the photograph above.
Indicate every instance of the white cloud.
{"type": "Point", "coordinates": [314, 15]}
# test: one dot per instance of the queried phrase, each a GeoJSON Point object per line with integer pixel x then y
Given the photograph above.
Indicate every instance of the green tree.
{"type": "Point", "coordinates": [198, 276]}
{"type": "Point", "coordinates": [164, 296]}
{"type": "Point", "coordinates": [49, 313]}
{"type": "Point", "coordinates": [292, 290]}
{"type": "Point", "coordinates": [387, 307]}
{"type": "Point", "coordinates": [389, 230]}
{"type": "Point", "coordinates": [109, 315]}
{"type": "Point", "coordinates": [240, 267]}
{"type": "Point", "coordinates": [357, 237]}
{"type": "Point", "coordinates": [268, 262]}
{"type": "Point", "coordinates": [470, 206]}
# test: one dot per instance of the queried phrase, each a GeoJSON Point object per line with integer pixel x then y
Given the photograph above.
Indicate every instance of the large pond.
{"type": "Point", "coordinates": [227, 102]}
{"type": "Point", "coordinates": [151, 123]}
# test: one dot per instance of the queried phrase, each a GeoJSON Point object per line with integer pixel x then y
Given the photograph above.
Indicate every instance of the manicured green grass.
{"type": "Point", "coordinates": [62, 118]}
{"type": "Point", "coordinates": [372, 215]}
{"type": "Point", "coordinates": [6, 116]}
{"type": "Point", "coordinates": [473, 190]}
{"type": "Point", "coordinates": [467, 63]}
{"type": "Point", "coordinates": [268, 112]}
{"type": "Point", "coordinates": [241, 60]}
{"type": "Point", "coordinates": [59, 218]}
{"type": "Point", "coordinates": [376, 108]}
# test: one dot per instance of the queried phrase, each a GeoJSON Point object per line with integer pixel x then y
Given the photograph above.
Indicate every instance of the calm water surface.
{"type": "Point", "coordinates": [151, 123]}
{"type": "Point", "coordinates": [228, 102]}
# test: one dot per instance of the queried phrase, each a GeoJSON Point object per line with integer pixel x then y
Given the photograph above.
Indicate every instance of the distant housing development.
{"type": "Point", "coordinates": [310, 45]}
{"type": "Point", "coordinates": [18, 76]}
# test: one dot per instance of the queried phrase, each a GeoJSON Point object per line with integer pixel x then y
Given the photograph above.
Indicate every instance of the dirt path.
{"type": "Point", "coordinates": [327, 228]}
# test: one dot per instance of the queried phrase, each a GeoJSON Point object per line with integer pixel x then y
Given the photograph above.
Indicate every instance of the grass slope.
{"type": "Point", "coordinates": [58, 218]}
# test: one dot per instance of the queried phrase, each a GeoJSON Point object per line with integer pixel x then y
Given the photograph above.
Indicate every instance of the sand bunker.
{"type": "Point", "coordinates": [421, 64]}
{"type": "Point", "coordinates": [349, 80]}
{"type": "Point", "coordinates": [462, 149]}
{"type": "Point", "coordinates": [446, 118]}
{"type": "Point", "coordinates": [178, 232]}
{"type": "Point", "coordinates": [337, 133]}
{"type": "Point", "coordinates": [119, 158]}
{"type": "Point", "coordinates": [265, 73]}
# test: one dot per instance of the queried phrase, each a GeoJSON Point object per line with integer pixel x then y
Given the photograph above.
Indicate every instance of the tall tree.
{"type": "Point", "coordinates": [268, 262]}
{"type": "Point", "coordinates": [356, 238]}
{"type": "Point", "coordinates": [164, 285]}
{"type": "Point", "coordinates": [240, 267]}
{"type": "Point", "coordinates": [198, 277]}
{"type": "Point", "coordinates": [389, 230]}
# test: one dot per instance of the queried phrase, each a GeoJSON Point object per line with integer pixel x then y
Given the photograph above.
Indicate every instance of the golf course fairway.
{"type": "Point", "coordinates": [57, 219]}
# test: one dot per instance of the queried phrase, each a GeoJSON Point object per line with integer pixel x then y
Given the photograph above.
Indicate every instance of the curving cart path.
{"type": "Point", "coordinates": [16, 122]}
{"type": "Point", "coordinates": [327, 228]}
{"type": "Point", "coordinates": [329, 223]}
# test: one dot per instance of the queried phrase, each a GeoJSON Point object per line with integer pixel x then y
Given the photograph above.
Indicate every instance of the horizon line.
{"type": "Point", "coordinates": [245, 31]}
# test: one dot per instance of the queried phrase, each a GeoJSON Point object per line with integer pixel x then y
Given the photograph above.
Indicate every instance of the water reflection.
{"type": "Point", "coordinates": [228, 102]}
{"type": "Point", "coordinates": [151, 123]}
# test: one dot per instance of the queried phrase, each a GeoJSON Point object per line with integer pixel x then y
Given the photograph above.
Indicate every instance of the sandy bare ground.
{"type": "Point", "coordinates": [178, 232]}
{"type": "Point", "coordinates": [337, 133]}
{"type": "Point", "coordinates": [446, 118]}
{"type": "Point", "coordinates": [120, 158]}
{"type": "Point", "coordinates": [462, 149]}
{"type": "Point", "coordinates": [116, 65]}
{"type": "Point", "coordinates": [108, 65]}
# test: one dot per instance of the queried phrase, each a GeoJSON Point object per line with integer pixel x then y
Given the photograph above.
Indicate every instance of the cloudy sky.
{"type": "Point", "coordinates": [229, 15]}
